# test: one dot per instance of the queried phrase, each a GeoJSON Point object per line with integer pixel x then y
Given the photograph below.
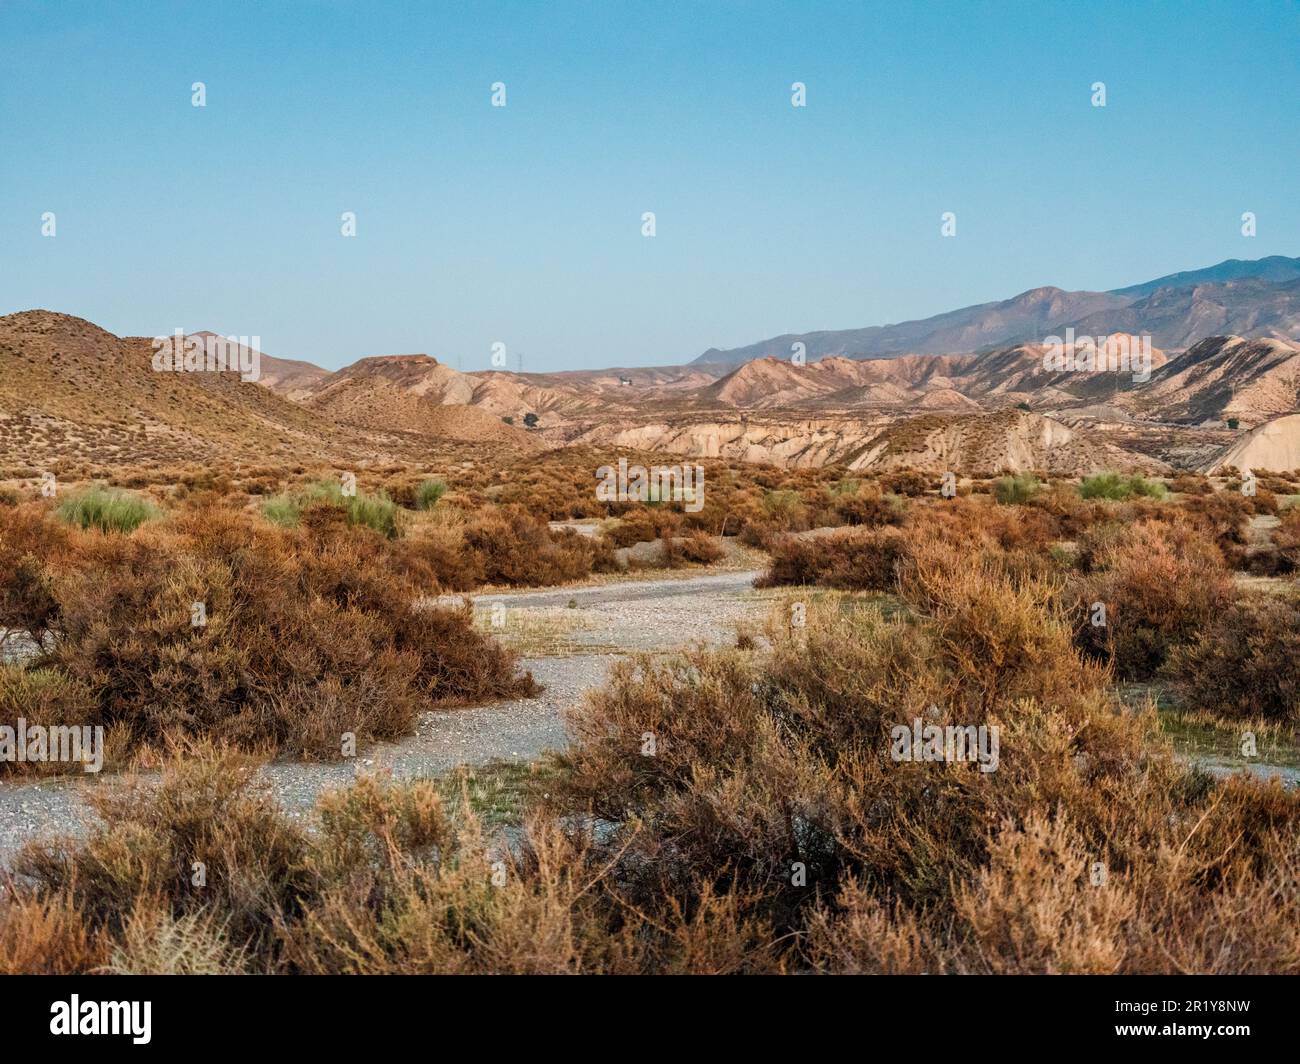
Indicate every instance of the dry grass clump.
{"type": "Point", "coordinates": [216, 624]}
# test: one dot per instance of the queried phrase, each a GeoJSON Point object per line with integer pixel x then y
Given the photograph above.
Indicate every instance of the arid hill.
{"type": "Point", "coordinates": [72, 391]}
{"type": "Point", "coordinates": [1222, 377]}
{"type": "Point", "coordinates": [1273, 446]}
{"type": "Point", "coordinates": [375, 390]}
{"type": "Point", "coordinates": [414, 393]}
{"type": "Point", "coordinates": [1011, 440]}
{"type": "Point", "coordinates": [77, 399]}
{"type": "Point", "coordinates": [993, 378]}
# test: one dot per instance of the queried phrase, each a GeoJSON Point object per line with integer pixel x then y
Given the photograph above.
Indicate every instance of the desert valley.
{"type": "Point", "coordinates": [648, 489]}
{"type": "Point", "coordinates": [405, 606]}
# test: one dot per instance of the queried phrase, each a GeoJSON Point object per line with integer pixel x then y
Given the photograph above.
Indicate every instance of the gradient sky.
{"type": "Point", "coordinates": [523, 224]}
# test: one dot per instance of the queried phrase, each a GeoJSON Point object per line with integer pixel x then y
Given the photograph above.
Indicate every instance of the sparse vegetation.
{"type": "Point", "coordinates": [767, 761]}
{"type": "Point", "coordinates": [979, 610]}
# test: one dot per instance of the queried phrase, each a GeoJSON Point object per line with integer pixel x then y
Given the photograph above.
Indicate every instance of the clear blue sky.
{"type": "Point", "coordinates": [523, 224]}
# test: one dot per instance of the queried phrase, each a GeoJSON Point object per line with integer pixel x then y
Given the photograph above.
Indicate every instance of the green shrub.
{"type": "Point", "coordinates": [1016, 489]}
{"type": "Point", "coordinates": [428, 494]}
{"type": "Point", "coordinates": [377, 512]}
{"type": "Point", "coordinates": [107, 509]}
{"type": "Point", "coordinates": [1116, 486]}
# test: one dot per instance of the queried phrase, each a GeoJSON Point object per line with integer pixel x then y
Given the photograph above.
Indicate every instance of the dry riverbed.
{"type": "Point", "coordinates": [568, 638]}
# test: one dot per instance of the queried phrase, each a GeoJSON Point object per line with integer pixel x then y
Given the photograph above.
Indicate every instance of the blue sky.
{"type": "Point", "coordinates": [522, 224]}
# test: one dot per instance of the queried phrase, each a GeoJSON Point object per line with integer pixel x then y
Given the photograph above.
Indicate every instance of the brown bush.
{"type": "Point", "coordinates": [1286, 539]}
{"type": "Point", "coordinates": [909, 482]}
{"type": "Point", "coordinates": [309, 634]}
{"type": "Point", "coordinates": [518, 549]}
{"type": "Point", "coordinates": [865, 507]}
{"type": "Point", "coordinates": [862, 559]}
{"type": "Point", "coordinates": [697, 548]}
{"type": "Point", "coordinates": [1161, 583]}
{"type": "Point", "coordinates": [1223, 517]}
{"type": "Point", "coordinates": [642, 524]}
{"type": "Point", "coordinates": [1245, 662]}
{"type": "Point", "coordinates": [1191, 484]}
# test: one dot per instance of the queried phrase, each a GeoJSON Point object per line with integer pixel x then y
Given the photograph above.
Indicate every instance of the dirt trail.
{"type": "Point", "coordinates": [601, 623]}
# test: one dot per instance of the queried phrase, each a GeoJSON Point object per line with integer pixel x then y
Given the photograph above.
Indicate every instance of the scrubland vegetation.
{"type": "Point", "coordinates": [769, 830]}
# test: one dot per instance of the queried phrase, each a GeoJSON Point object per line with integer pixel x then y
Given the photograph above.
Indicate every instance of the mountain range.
{"type": "Point", "coordinates": [1259, 297]}
{"type": "Point", "coordinates": [75, 396]}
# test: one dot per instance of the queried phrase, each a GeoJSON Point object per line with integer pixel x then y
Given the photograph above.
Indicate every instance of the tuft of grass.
{"type": "Point", "coordinates": [108, 510]}
{"type": "Point", "coordinates": [1016, 489]}
{"type": "Point", "coordinates": [377, 512]}
{"type": "Point", "coordinates": [498, 792]}
{"type": "Point", "coordinates": [1117, 487]}
{"type": "Point", "coordinates": [282, 510]}
{"type": "Point", "coordinates": [428, 494]}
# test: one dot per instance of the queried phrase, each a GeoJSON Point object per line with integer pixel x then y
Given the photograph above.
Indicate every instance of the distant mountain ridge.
{"type": "Point", "coordinates": [1260, 297]}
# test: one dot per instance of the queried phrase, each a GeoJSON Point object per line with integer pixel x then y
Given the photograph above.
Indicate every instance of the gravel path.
{"type": "Point", "coordinates": [616, 618]}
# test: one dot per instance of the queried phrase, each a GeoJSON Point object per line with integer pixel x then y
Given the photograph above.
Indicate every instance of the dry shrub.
{"type": "Point", "coordinates": [909, 482]}
{"type": "Point", "coordinates": [1005, 634]}
{"type": "Point", "coordinates": [1191, 484]}
{"type": "Point", "coordinates": [1036, 909]}
{"type": "Point", "coordinates": [1161, 583]}
{"type": "Point", "coordinates": [697, 548]}
{"type": "Point", "coordinates": [389, 883]}
{"type": "Point", "coordinates": [518, 549]}
{"type": "Point", "coordinates": [1286, 539]}
{"type": "Point", "coordinates": [766, 829]}
{"type": "Point", "coordinates": [861, 559]}
{"type": "Point", "coordinates": [1071, 514]}
{"type": "Point", "coordinates": [917, 867]}
{"type": "Point", "coordinates": [641, 524]}
{"type": "Point", "coordinates": [309, 634]}
{"type": "Point", "coordinates": [867, 506]}
{"type": "Point", "coordinates": [1223, 517]}
{"type": "Point", "coordinates": [205, 809]}
{"type": "Point", "coordinates": [1245, 662]}
{"type": "Point", "coordinates": [47, 934]}
{"type": "Point", "coordinates": [862, 934]}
